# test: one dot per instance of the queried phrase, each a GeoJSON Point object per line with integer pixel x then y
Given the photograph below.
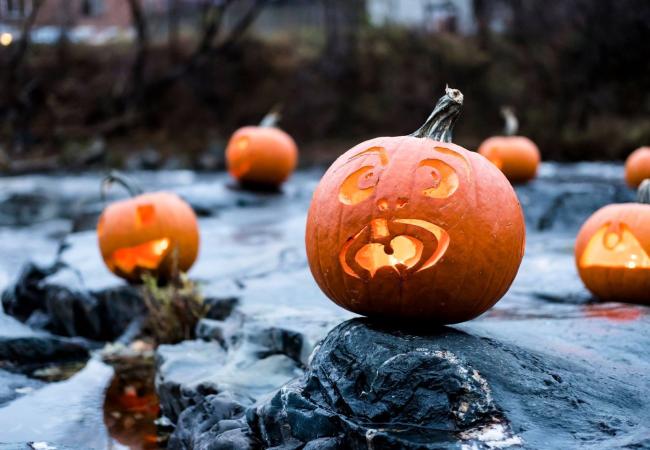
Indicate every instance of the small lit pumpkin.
{"type": "Point", "coordinates": [613, 250]}
{"type": "Point", "coordinates": [261, 156]}
{"type": "Point", "coordinates": [516, 156]}
{"type": "Point", "coordinates": [154, 233]}
{"type": "Point", "coordinates": [415, 227]}
{"type": "Point", "coordinates": [637, 167]}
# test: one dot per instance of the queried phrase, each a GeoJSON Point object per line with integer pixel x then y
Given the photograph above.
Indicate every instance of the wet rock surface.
{"type": "Point", "coordinates": [562, 370]}
{"type": "Point", "coordinates": [45, 298]}
{"type": "Point", "coordinates": [372, 385]}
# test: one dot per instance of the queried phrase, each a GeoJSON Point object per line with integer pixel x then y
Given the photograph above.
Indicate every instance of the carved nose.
{"type": "Point", "coordinates": [384, 205]}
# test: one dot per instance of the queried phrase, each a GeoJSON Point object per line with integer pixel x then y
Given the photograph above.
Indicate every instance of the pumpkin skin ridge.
{"type": "Point", "coordinates": [447, 205]}
{"type": "Point", "coordinates": [613, 283]}
{"type": "Point", "coordinates": [117, 229]}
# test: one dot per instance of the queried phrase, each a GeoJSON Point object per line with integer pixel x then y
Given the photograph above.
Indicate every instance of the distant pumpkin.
{"type": "Point", "coordinates": [262, 155]}
{"type": "Point", "coordinates": [155, 233]}
{"type": "Point", "coordinates": [415, 227]}
{"type": "Point", "coordinates": [516, 156]}
{"type": "Point", "coordinates": [613, 251]}
{"type": "Point", "coordinates": [637, 167]}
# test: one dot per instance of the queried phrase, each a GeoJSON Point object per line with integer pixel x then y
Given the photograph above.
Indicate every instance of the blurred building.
{"type": "Point", "coordinates": [431, 15]}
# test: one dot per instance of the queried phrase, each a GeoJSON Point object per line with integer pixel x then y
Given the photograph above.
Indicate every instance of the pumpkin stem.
{"type": "Point", "coordinates": [512, 123]}
{"type": "Point", "coordinates": [643, 194]}
{"type": "Point", "coordinates": [440, 123]}
{"type": "Point", "coordinates": [115, 177]}
{"type": "Point", "coordinates": [272, 118]}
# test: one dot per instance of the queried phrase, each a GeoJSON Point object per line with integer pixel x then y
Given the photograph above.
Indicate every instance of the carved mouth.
{"type": "Point", "coordinates": [614, 245]}
{"type": "Point", "coordinates": [143, 256]}
{"type": "Point", "coordinates": [402, 245]}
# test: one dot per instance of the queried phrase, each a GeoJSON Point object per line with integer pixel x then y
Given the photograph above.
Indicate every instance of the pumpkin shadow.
{"type": "Point", "coordinates": [407, 327]}
{"type": "Point", "coordinates": [257, 188]}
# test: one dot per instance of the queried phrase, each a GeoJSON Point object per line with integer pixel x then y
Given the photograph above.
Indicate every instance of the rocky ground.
{"type": "Point", "coordinates": [278, 365]}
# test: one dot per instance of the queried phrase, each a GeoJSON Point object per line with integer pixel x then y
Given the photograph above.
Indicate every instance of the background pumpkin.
{"type": "Point", "coordinates": [262, 155]}
{"type": "Point", "coordinates": [415, 227]}
{"type": "Point", "coordinates": [155, 233]}
{"type": "Point", "coordinates": [637, 167]}
{"type": "Point", "coordinates": [516, 156]}
{"type": "Point", "coordinates": [613, 250]}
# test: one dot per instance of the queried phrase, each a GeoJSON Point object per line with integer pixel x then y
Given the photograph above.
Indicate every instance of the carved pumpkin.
{"type": "Point", "coordinates": [154, 233]}
{"type": "Point", "coordinates": [261, 156]}
{"type": "Point", "coordinates": [637, 167]}
{"type": "Point", "coordinates": [516, 156]}
{"type": "Point", "coordinates": [613, 251]}
{"type": "Point", "coordinates": [415, 226]}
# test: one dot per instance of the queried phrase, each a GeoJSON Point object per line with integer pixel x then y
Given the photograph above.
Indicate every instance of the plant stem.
{"type": "Point", "coordinates": [643, 194]}
{"type": "Point", "coordinates": [441, 122]}
{"type": "Point", "coordinates": [115, 177]}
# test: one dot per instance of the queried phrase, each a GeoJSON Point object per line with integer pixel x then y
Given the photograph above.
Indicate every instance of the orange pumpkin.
{"type": "Point", "coordinates": [516, 156]}
{"type": "Point", "coordinates": [154, 233]}
{"type": "Point", "coordinates": [415, 227]}
{"type": "Point", "coordinates": [613, 251]}
{"type": "Point", "coordinates": [263, 155]}
{"type": "Point", "coordinates": [637, 167]}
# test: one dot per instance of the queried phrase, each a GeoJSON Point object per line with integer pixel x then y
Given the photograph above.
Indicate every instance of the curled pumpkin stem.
{"type": "Point", "coordinates": [272, 118]}
{"type": "Point", "coordinates": [440, 124]}
{"type": "Point", "coordinates": [511, 121]}
{"type": "Point", "coordinates": [643, 194]}
{"type": "Point", "coordinates": [115, 177]}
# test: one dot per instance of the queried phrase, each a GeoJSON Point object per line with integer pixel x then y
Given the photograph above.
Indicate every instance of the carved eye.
{"type": "Point", "coordinates": [445, 179]}
{"type": "Point", "coordinates": [359, 185]}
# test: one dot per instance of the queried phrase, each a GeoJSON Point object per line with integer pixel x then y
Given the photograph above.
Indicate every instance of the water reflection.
{"type": "Point", "coordinates": [131, 407]}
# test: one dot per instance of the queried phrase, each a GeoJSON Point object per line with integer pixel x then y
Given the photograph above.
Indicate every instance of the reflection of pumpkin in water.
{"type": "Point", "coordinates": [613, 252]}
{"type": "Point", "coordinates": [415, 226]}
{"type": "Point", "coordinates": [130, 408]}
{"type": "Point", "coordinates": [155, 233]}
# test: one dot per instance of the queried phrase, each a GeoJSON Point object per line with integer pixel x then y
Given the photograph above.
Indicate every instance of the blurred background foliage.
{"type": "Point", "coordinates": [163, 83]}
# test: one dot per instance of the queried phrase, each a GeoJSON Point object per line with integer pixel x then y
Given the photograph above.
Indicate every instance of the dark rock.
{"type": "Point", "coordinates": [40, 349]}
{"type": "Point", "coordinates": [101, 315]}
{"type": "Point", "coordinates": [373, 386]}
{"type": "Point", "coordinates": [185, 373]}
{"type": "Point", "coordinates": [203, 426]}
{"type": "Point", "coordinates": [220, 308]}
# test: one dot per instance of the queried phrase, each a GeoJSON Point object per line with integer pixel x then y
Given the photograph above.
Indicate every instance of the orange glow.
{"type": "Point", "coordinates": [351, 193]}
{"type": "Point", "coordinates": [240, 163]}
{"type": "Point", "coordinates": [145, 215]}
{"type": "Point", "coordinates": [445, 179]}
{"type": "Point", "coordinates": [404, 250]}
{"type": "Point", "coordinates": [144, 256]}
{"type": "Point", "coordinates": [6, 39]}
{"type": "Point", "coordinates": [440, 234]}
{"type": "Point", "coordinates": [613, 246]}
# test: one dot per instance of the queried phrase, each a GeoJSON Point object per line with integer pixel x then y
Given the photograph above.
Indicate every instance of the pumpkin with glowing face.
{"type": "Point", "coordinates": [261, 156]}
{"type": "Point", "coordinates": [155, 233]}
{"type": "Point", "coordinates": [516, 156]}
{"type": "Point", "coordinates": [613, 251]}
{"type": "Point", "coordinates": [415, 226]}
{"type": "Point", "coordinates": [637, 167]}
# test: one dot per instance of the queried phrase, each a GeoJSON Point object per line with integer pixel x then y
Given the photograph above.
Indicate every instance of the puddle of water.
{"type": "Point", "coordinates": [131, 407]}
